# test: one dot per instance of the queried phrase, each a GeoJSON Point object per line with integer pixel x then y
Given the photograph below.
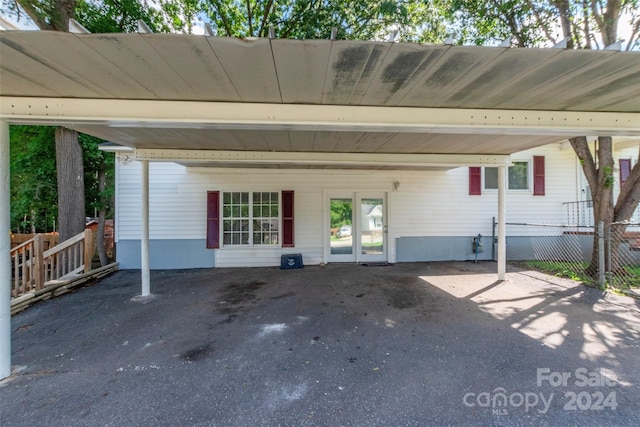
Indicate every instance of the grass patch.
{"type": "Point", "coordinates": [569, 270]}
{"type": "Point", "coordinates": [626, 277]}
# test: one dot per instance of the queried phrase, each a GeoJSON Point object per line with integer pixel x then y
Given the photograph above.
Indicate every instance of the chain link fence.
{"type": "Point", "coordinates": [623, 255]}
{"type": "Point", "coordinates": [561, 250]}
{"type": "Point", "coordinates": [567, 251]}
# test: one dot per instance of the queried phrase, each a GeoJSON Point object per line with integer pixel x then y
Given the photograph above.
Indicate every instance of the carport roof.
{"type": "Point", "coordinates": [174, 91]}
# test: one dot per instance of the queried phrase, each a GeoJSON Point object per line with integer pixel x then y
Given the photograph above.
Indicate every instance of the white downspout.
{"type": "Point", "coordinates": [502, 227]}
{"type": "Point", "coordinates": [5, 254]}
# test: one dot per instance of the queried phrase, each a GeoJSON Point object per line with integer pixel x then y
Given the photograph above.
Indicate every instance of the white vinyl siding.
{"type": "Point", "coordinates": [428, 203]}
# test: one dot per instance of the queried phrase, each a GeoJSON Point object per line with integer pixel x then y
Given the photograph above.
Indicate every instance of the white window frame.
{"type": "Point", "coordinates": [529, 188]}
{"type": "Point", "coordinates": [250, 219]}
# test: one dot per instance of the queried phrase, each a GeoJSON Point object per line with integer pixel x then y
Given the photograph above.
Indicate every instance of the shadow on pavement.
{"type": "Point", "coordinates": [408, 344]}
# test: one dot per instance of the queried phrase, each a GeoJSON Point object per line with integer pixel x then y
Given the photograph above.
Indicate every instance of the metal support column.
{"type": "Point", "coordinates": [144, 239]}
{"type": "Point", "coordinates": [502, 227]}
{"type": "Point", "coordinates": [5, 254]}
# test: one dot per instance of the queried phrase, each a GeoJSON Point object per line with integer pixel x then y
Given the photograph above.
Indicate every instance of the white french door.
{"type": "Point", "coordinates": [357, 229]}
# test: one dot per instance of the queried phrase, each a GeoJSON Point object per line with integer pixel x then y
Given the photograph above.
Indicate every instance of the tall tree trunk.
{"type": "Point", "coordinates": [565, 21]}
{"type": "Point", "coordinates": [102, 213]}
{"type": "Point", "coordinates": [600, 178]}
{"type": "Point", "coordinates": [71, 214]}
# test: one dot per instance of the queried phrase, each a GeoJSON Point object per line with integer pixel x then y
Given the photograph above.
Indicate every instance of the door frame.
{"type": "Point", "coordinates": [356, 226]}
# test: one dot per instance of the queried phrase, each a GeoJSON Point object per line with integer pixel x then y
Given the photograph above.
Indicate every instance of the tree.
{"type": "Point", "coordinates": [314, 19]}
{"type": "Point", "coordinates": [54, 15]}
{"type": "Point", "coordinates": [99, 186]}
{"type": "Point", "coordinates": [104, 16]}
{"type": "Point", "coordinates": [585, 24]}
{"type": "Point", "coordinates": [33, 179]}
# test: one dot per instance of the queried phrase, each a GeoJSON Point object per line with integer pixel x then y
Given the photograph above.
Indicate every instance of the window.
{"type": "Point", "coordinates": [625, 170]}
{"type": "Point", "coordinates": [517, 177]}
{"type": "Point", "coordinates": [250, 218]}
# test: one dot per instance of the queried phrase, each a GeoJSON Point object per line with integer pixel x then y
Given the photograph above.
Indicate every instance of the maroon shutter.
{"type": "Point", "coordinates": [287, 219]}
{"type": "Point", "coordinates": [213, 219]}
{"type": "Point", "coordinates": [475, 181]}
{"type": "Point", "coordinates": [625, 170]}
{"type": "Point", "coordinates": [538, 175]}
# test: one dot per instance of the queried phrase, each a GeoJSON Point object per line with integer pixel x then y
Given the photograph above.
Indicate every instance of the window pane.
{"type": "Point", "coordinates": [248, 223]}
{"type": "Point", "coordinates": [491, 178]}
{"type": "Point", "coordinates": [518, 176]}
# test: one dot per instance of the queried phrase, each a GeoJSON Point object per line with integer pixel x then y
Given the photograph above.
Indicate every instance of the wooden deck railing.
{"type": "Point", "coordinates": [33, 268]}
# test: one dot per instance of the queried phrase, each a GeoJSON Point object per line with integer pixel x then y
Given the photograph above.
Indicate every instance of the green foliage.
{"type": "Point", "coordinates": [535, 23]}
{"type": "Point", "coordinates": [46, 14]}
{"type": "Point", "coordinates": [488, 22]}
{"type": "Point", "coordinates": [341, 212]}
{"type": "Point", "coordinates": [608, 177]}
{"type": "Point", "coordinates": [570, 270]}
{"type": "Point", "coordinates": [308, 19]}
{"type": "Point", "coordinates": [121, 16]}
{"type": "Point", "coordinates": [34, 191]}
{"type": "Point", "coordinates": [95, 161]}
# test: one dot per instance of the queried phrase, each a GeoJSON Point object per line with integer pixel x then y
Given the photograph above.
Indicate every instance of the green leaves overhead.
{"type": "Point", "coordinates": [531, 23]}
{"type": "Point", "coordinates": [308, 19]}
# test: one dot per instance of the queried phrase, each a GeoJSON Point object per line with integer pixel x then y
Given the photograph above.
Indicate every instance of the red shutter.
{"type": "Point", "coordinates": [287, 219]}
{"type": "Point", "coordinates": [538, 175]}
{"type": "Point", "coordinates": [475, 181]}
{"type": "Point", "coordinates": [213, 219]}
{"type": "Point", "coordinates": [625, 170]}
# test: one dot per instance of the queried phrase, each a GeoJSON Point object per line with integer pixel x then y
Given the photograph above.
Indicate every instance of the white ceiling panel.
{"type": "Point", "coordinates": [250, 67]}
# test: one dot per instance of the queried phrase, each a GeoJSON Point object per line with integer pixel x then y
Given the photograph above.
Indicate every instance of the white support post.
{"type": "Point", "coordinates": [502, 220]}
{"type": "Point", "coordinates": [5, 254]}
{"type": "Point", "coordinates": [144, 240]}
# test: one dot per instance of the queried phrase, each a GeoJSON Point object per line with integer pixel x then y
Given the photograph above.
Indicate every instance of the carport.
{"type": "Point", "coordinates": [270, 103]}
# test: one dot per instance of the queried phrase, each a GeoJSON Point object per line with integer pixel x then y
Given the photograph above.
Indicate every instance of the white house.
{"type": "Point", "coordinates": [422, 215]}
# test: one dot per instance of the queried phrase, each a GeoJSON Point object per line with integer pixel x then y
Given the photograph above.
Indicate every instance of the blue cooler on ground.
{"type": "Point", "coordinates": [290, 261]}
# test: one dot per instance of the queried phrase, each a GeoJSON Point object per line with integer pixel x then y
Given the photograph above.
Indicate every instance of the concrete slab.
{"type": "Point", "coordinates": [409, 344]}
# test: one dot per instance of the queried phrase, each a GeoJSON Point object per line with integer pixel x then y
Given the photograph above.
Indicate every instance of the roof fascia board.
{"type": "Point", "coordinates": [324, 159]}
{"type": "Point", "coordinates": [256, 116]}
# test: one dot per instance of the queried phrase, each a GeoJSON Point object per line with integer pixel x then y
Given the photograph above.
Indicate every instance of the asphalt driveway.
{"type": "Point", "coordinates": [409, 344]}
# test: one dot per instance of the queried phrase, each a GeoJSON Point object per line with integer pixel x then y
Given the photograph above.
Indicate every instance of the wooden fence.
{"type": "Point", "coordinates": [34, 268]}
{"type": "Point", "coordinates": [49, 239]}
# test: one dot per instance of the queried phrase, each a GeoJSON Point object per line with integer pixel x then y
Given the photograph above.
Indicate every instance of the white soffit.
{"type": "Point", "coordinates": [248, 159]}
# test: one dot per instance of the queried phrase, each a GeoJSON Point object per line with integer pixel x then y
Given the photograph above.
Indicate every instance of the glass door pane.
{"type": "Point", "coordinates": [341, 220]}
{"type": "Point", "coordinates": [372, 226]}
